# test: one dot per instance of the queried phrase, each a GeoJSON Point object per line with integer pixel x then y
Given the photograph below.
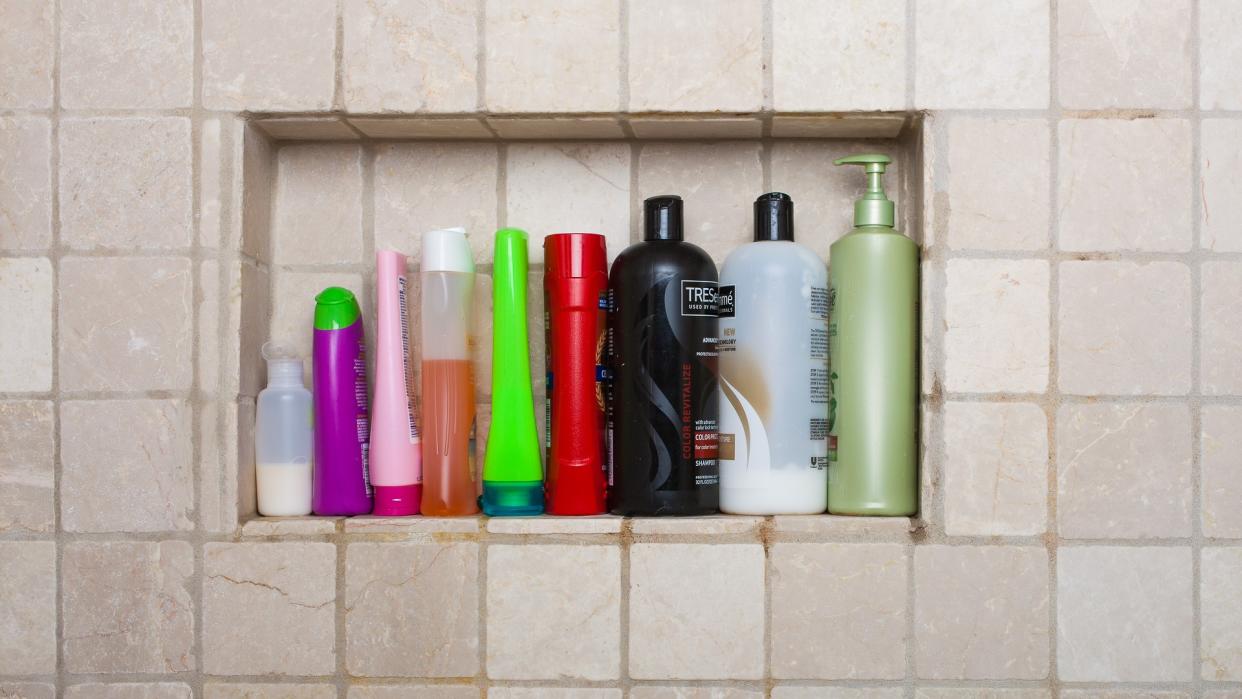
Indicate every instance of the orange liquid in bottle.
{"type": "Point", "coordinates": [448, 414]}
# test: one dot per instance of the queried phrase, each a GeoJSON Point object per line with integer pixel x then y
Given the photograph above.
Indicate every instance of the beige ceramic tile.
{"type": "Point", "coordinates": [270, 56]}
{"type": "Point", "coordinates": [128, 607]}
{"type": "Point", "coordinates": [995, 469]}
{"type": "Point", "coordinates": [843, 528]}
{"type": "Point", "coordinates": [1138, 53]}
{"type": "Point", "coordinates": [840, 55]}
{"type": "Point", "coordinates": [388, 584]}
{"type": "Point", "coordinates": [293, 313]}
{"type": "Point", "coordinates": [424, 128]}
{"type": "Point", "coordinates": [838, 611]}
{"type": "Point", "coordinates": [412, 527]}
{"type": "Point", "coordinates": [249, 325]}
{"type": "Point", "coordinates": [537, 56]}
{"type": "Point", "coordinates": [1000, 62]}
{"type": "Point", "coordinates": [718, 183]}
{"type": "Point", "coordinates": [552, 693]}
{"type": "Point", "coordinates": [516, 128]}
{"type": "Point", "coordinates": [1221, 458]}
{"type": "Point", "coordinates": [1223, 694]}
{"type": "Point", "coordinates": [693, 583]}
{"type": "Point", "coordinates": [604, 524]}
{"type": "Point", "coordinates": [212, 166]}
{"type": "Point", "coordinates": [996, 320]}
{"type": "Point", "coordinates": [307, 129]}
{"type": "Point", "coordinates": [269, 608]}
{"type": "Point", "coordinates": [553, 612]}
{"type": "Point", "coordinates": [1124, 694]}
{"type": "Point", "coordinates": [410, 55]}
{"type": "Point", "coordinates": [1220, 54]}
{"type": "Point", "coordinates": [106, 343]}
{"type": "Point", "coordinates": [823, 194]}
{"type": "Point", "coordinates": [791, 692]}
{"type": "Point", "coordinates": [998, 208]}
{"type": "Point", "coordinates": [130, 690]}
{"type": "Point", "coordinates": [209, 327]}
{"type": "Point", "coordinates": [269, 691]}
{"type": "Point", "coordinates": [421, 187]}
{"type": "Point", "coordinates": [25, 183]}
{"type": "Point", "coordinates": [1123, 471]}
{"type": "Point", "coordinates": [27, 42]}
{"type": "Point", "coordinates": [1220, 347]}
{"type": "Point", "coordinates": [1124, 614]}
{"type": "Point", "coordinates": [412, 691]}
{"type": "Point", "coordinates": [126, 183]}
{"type": "Point", "coordinates": [26, 477]}
{"type": "Point", "coordinates": [1107, 342]}
{"type": "Point", "coordinates": [290, 526]}
{"type": "Point", "coordinates": [981, 693]}
{"type": "Point", "coordinates": [1220, 630]}
{"type": "Point", "coordinates": [660, 692]}
{"type": "Point", "coordinates": [981, 612]}
{"type": "Point", "coordinates": [126, 466]}
{"type": "Point", "coordinates": [254, 174]}
{"type": "Point", "coordinates": [318, 206]}
{"type": "Point", "coordinates": [26, 344]}
{"type": "Point", "coordinates": [848, 125]}
{"type": "Point", "coordinates": [27, 607]}
{"type": "Point", "coordinates": [1220, 211]}
{"type": "Point", "coordinates": [723, 73]}
{"type": "Point", "coordinates": [711, 525]}
{"type": "Point", "coordinates": [592, 192]}
{"type": "Point", "coordinates": [654, 128]}
{"type": "Point", "coordinates": [1134, 169]}
{"type": "Point", "coordinates": [27, 690]}
{"type": "Point", "coordinates": [130, 55]}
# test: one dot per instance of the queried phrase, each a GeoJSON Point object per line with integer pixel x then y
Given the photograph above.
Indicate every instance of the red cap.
{"type": "Point", "coordinates": [574, 255]}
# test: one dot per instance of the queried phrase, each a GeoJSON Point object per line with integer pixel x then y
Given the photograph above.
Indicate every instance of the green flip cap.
{"type": "Point", "coordinates": [874, 208]}
{"type": "Point", "coordinates": [335, 308]}
{"type": "Point", "coordinates": [512, 471]}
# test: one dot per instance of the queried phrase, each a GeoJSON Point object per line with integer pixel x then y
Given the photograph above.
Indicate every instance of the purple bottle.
{"type": "Point", "coordinates": [342, 484]}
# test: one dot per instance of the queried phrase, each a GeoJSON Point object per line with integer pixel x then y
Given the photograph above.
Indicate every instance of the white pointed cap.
{"type": "Point", "coordinates": [446, 250]}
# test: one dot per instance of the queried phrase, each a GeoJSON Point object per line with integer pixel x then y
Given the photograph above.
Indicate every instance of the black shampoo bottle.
{"type": "Point", "coordinates": [662, 348]}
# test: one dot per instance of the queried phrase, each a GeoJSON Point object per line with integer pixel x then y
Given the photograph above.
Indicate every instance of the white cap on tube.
{"type": "Point", "coordinates": [446, 250]}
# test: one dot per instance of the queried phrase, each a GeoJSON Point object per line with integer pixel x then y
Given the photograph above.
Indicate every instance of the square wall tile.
{"type": "Point", "coordinates": [276, 55]}
{"type": "Point", "coordinates": [998, 208]}
{"type": "Point", "coordinates": [553, 693]}
{"type": "Point", "coordinates": [691, 584]}
{"type": "Point", "coordinates": [1122, 185]}
{"type": "Point", "coordinates": [1220, 54]}
{"type": "Point", "coordinates": [269, 609]}
{"type": "Point", "coordinates": [996, 326]}
{"type": "Point", "coordinates": [838, 611]}
{"type": "Point", "coordinates": [1123, 471]}
{"type": "Point", "coordinates": [696, 56]}
{"type": "Point", "coordinates": [1000, 63]}
{"type": "Point", "coordinates": [718, 182]}
{"type": "Point", "coordinates": [982, 693]}
{"type": "Point", "coordinates": [995, 469]}
{"type": "Point", "coordinates": [683, 692]}
{"type": "Point", "coordinates": [27, 44]}
{"type": "Point", "coordinates": [1124, 53]}
{"type": "Point", "coordinates": [25, 182]}
{"type": "Point", "coordinates": [1101, 693]}
{"type": "Point", "coordinates": [1106, 343]}
{"type": "Point", "coordinates": [569, 187]}
{"type": "Point", "coordinates": [1124, 614]}
{"type": "Point", "coordinates": [26, 471]}
{"type": "Point", "coordinates": [318, 205]}
{"type": "Point", "coordinates": [1220, 211]}
{"type": "Point", "coordinates": [106, 342]}
{"type": "Point", "coordinates": [126, 183]}
{"type": "Point", "coordinates": [27, 607]}
{"type": "Point", "coordinates": [414, 691]}
{"type": "Point", "coordinates": [823, 195]}
{"type": "Point", "coordinates": [410, 55]}
{"type": "Point", "coordinates": [795, 692]}
{"type": "Point", "coordinates": [26, 344]}
{"type": "Point", "coordinates": [1220, 633]}
{"type": "Point", "coordinates": [269, 691]}
{"type": "Point", "coordinates": [27, 690]}
{"type": "Point", "coordinates": [981, 612]}
{"type": "Point", "coordinates": [1221, 455]}
{"type": "Point", "coordinates": [126, 466]}
{"type": "Point", "coordinates": [386, 585]}
{"type": "Point", "coordinates": [129, 690]}
{"type": "Point", "coordinates": [838, 55]}
{"type": "Point", "coordinates": [553, 612]}
{"type": "Point", "coordinates": [128, 55]}
{"type": "Point", "coordinates": [421, 187]}
{"type": "Point", "coordinates": [536, 53]}
{"type": "Point", "coordinates": [129, 607]}
{"type": "Point", "coordinates": [1220, 348]}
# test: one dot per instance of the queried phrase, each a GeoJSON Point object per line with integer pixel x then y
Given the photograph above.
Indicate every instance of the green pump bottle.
{"type": "Point", "coordinates": [512, 472]}
{"type": "Point", "coordinates": [873, 291]}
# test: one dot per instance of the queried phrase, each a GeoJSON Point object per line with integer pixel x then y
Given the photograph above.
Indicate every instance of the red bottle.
{"type": "Point", "coordinates": [575, 286]}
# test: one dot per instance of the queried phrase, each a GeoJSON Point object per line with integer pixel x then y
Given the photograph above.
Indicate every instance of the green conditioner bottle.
{"type": "Point", "coordinates": [873, 292]}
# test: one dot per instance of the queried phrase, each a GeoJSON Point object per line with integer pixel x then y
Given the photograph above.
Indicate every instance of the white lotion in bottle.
{"type": "Point", "coordinates": [282, 437]}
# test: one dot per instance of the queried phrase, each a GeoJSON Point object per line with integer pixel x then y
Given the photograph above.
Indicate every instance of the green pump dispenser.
{"type": "Point", "coordinates": [873, 291]}
{"type": "Point", "coordinates": [512, 471]}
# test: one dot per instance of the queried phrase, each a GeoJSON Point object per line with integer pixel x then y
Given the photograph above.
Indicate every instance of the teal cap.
{"type": "Point", "coordinates": [512, 498]}
{"type": "Point", "coordinates": [874, 208]}
{"type": "Point", "coordinates": [335, 308]}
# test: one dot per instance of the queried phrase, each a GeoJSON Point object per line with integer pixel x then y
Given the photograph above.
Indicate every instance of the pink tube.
{"type": "Point", "coordinates": [396, 460]}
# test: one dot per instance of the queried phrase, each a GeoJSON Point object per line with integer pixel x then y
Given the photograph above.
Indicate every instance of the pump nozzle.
{"type": "Point", "coordinates": [874, 208]}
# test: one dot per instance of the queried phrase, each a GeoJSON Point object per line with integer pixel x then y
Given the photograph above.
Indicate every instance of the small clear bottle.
{"type": "Point", "coordinates": [283, 441]}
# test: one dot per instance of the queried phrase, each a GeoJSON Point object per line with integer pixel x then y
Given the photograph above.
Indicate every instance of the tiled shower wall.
{"type": "Point", "coordinates": [1080, 160]}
